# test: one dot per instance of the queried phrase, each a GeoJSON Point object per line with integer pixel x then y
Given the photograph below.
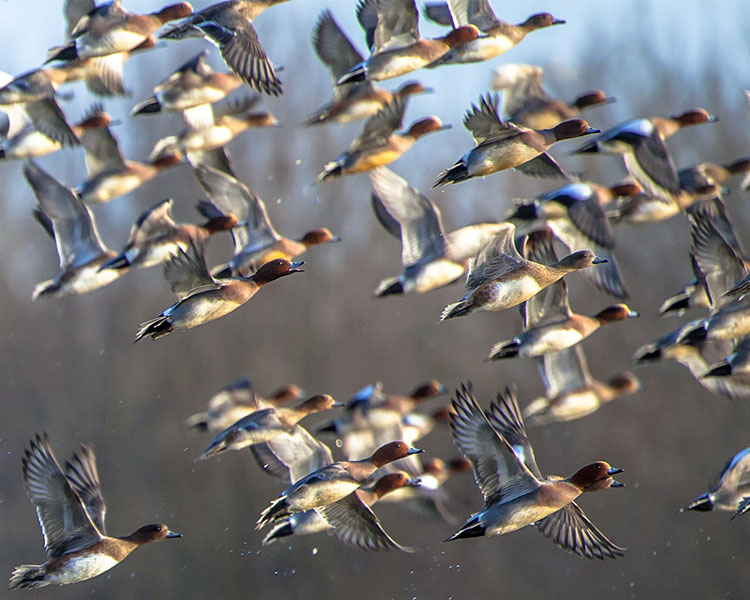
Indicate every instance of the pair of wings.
{"type": "Point", "coordinates": [69, 504]}
{"type": "Point", "coordinates": [504, 468]}
{"type": "Point", "coordinates": [232, 196]}
{"type": "Point", "coordinates": [69, 219]}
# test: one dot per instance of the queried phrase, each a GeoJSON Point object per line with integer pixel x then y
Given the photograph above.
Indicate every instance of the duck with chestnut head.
{"type": "Point", "coordinates": [203, 298]}
{"type": "Point", "coordinates": [516, 494]}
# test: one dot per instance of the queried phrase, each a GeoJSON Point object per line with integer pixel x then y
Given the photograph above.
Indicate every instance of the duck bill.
{"type": "Point", "coordinates": [415, 451]}
{"type": "Point", "coordinates": [295, 267]}
{"type": "Point", "coordinates": [633, 314]}
{"type": "Point", "coordinates": [334, 239]}
{"type": "Point", "coordinates": [414, 482]}
{"type": "Point", "coordinates": [558, 22]}
{"type": "Point", "coordinates": [617, 484]}
{"type": "Point", "coordinates": [614, 471]}
{"type": "Point", "coordinates": [598, 260]}
{"type": "Point", "coordinates": [591, 130]}
{"type": "Point", "coordinates": [172, 534]}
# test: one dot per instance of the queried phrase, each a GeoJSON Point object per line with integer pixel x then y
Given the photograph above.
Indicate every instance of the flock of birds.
{"type": "Point", "coordinates": [510, 263]}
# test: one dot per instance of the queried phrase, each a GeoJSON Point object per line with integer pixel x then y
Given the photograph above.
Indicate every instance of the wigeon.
{"type": "Point", "coordinates": [265, 424]}
{"type": "Point", "coordinates": [71, 224]}
{"type": "Point", "coordinates": [332, 482]}
{"type": "Point", "coordinates": [732, 492]}
{"type": "Point", "coordinates": [155, 237]}
{"type": "Point", "coordinates": [575, 215]}
{"type": "Point", "coordinates": [641, 144]}
{"type": "Point", "coordinates": [35, 93]}
{"type": "Point", "coordinates": [351, 101]}
{"type": "Point", "coordinates": [516, 494]}
{"type": "Point", "coordinates": [570, 390]}
{"type": "Point", "coordinates": [430, 257]}
{"type": "Point", "coordinates": [397, 47]}
{"type": "Point", "coordinates": [502, 145]}
{"type": "Point", "coordinates": [71, 509]}
{"type": "Point", "coordinates": [351, 517]}
{"type": "Point", "coordinates": [109, 28]}
{"type": "Point", "coordinates": [378, 145]}
{"type": "Point", "coordinates": [201, 297]}
{"type": "Point", "coordinates": [191, 89]}
{"type": "Point", "coordinates": [256, 242]}
{"type": "Point", "coordinates": [498, 36]}
{"type": "Point", "coordinates": [527, 103]}
{"type": "Point", "coordinates": [237, 400]}
{"type": "Point", "coordinates": [501, 278]}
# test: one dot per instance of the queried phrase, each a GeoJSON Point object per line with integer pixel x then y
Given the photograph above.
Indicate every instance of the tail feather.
{"type": "Point", "coordinates": [279, 508]}
{"type": "Point", "coordinates": [357, 73]}
{"type": "Point", "coordinates": [457, 309]}
{"type": "Point", "coordinates": [67, 52]}
{"type": "Point", "coordinates": [392, 285]}
{"type": "Point", "coordinates": [45, 288]}
{"type": "Point", "coordinates": [743, 507]}
{"type": "Point", "coordinates": [676, 305]}
{"type": "Point", "coordinates": [26, 577]}
{"type": "Point", "coordinates": [455, 174]}
{"type": "Point", "coordinates": [156, 328]}
{"type": "Point", "coordinates": [280, 530]}
{"type": "Point", "coordinates": [197, 422]}
{"type": "Point", "coordinates": [702, 503]}
{"type": "Point", "coordinates": [330, 171]}
{"type": "Point", "coordinates": [118, 262]}
{"type": "Point", "coordinates": [472, 528]}
{"type": "Point", "coordinates": [151, 105]}
{"type": "Point", "coordinates": [504, 350]}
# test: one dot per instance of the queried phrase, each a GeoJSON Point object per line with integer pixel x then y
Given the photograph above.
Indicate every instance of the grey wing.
{"type": "Point", "coordinates": [152, 223]}
{"type": "Point", "coordinates": [542, 166]}
{"type": "Point", "coordinates": [354, 523]}
{"type": "Point", "coordinates": [380, 126]}
{"type": "Point", "coordinates": [505, 417]}
{"type": "Point", "coordinates": [102, 152]}
{"type": "Point", "coordinates": [564, 370]}
{"type": "Point", "coordinates": [65, 523]}
{"type": "Point", "coordinates": [390, 224]}
{"type": "Point", "coordinates": [232, 196]}
{"type": "Point", "coordinates": [477, 12]}
{"type": "Point", "coordinates": [74, 10]}
{"type": "Point", "coordinates": [652, 167]}
{"type": "Point", "coordinates": [590, 219]}
{"type": "Point", "coordinates": [422, 238]}
{"type": "Point", "coordinates": [187, 271]}
{"type": "Point", "coordinates": [83, 476]}
{"type": "Point", "coordinates": [605, 276]}
{"type": "Point", "coordinates": [737, 472]}
{"type": "Point", "coordinates": [76, 236]}
{"type": "Point", "coordinates": [719, 262]}
{"type": "Point", "coordinates": [398, 24]}
{"type": "Point", "coordinates": [333, 47]}
{"type": "Point", "coordinates": [498, 470]}
{"type": "Point", "coordinates": [49, 118]}
{"type": "Point", "coordinates": [570, 529]}
{"type": "Point", "coordinates": [495, 258]}
{"type": "Point", "coordinates": [218, 159]}
{"type": "Point", "coordinates": [242, 51]}
{"type": "Point", "coordinates": [367, 15]}
{"type": "Point", "coordinates": [484, 122]}
{"type": "Point", "coordinates": [292, 455]}
{"type": "Point", "coordinates": [552, 302]}
{"type": "Point", "coordinates": [440, 13]}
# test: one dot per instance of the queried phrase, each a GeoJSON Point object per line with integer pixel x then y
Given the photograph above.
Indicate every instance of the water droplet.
{"type": "Point", "coordinates": [314, 551]}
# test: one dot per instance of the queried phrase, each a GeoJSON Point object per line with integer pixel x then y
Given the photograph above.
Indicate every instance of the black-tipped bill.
{"type": "Point", "coordinates": [415, 451]}
{"type": "Point", "coordinates": [598, 260]}
{"type": "Point", "coordinates": [172, 534]}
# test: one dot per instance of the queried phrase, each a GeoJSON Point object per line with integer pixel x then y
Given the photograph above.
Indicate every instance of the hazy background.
{"type": "Point", "coordinates": [69, 367]}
